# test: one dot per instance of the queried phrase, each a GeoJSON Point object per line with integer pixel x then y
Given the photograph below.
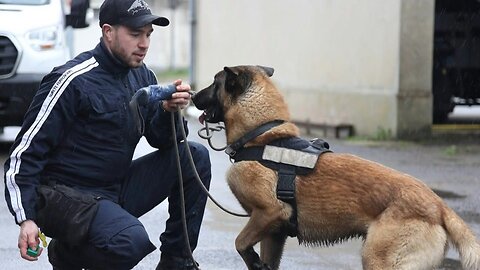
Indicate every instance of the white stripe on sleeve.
{"type": "Point", "coordinates": [15, 159]}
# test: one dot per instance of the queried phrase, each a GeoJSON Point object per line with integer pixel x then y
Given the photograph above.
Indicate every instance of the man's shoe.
{"type": "Point", "coordinates": [55, 259]}
{"type": "Point", "coordinates": [168, 262]}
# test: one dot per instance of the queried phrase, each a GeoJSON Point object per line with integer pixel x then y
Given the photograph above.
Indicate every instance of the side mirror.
{"type": "Point", "coordinates": [81, 15]}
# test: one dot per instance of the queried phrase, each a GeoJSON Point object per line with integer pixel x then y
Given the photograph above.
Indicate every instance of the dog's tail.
{"type": "Point", "coordinates": [463, 239]}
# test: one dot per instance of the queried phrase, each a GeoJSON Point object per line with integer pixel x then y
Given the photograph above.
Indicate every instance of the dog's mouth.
{"type": "Point", "coordinates": [212, 115]}
{"type": "Point", "coordinates": [212, 109]}
{"type": "Point", "coordinates": [202, 117]}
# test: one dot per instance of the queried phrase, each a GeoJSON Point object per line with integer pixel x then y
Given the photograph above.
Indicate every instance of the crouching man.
{"type": "Point", "coordinates": [70, 170]}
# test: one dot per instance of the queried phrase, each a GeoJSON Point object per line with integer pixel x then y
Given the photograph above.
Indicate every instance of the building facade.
{"type": "Point", "coordinates": [363, 63]}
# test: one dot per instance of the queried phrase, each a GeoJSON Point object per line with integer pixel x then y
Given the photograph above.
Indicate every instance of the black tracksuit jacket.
{"type": "Point", "coordinates": [80, 130]}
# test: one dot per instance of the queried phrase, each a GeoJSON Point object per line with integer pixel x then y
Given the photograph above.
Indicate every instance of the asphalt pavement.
{"type": "Point", "coordinates": [450, 167]}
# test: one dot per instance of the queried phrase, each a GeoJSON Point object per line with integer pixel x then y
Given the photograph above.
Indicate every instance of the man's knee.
{"type": "Point", "coordinates": [201, 158]}
{"type": "Point", "coordinates": [199, 152]}
{"type": "Point", "coordinates": [131, 245]}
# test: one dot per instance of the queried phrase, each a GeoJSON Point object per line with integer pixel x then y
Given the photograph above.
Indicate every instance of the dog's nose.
{"type": "Point", "coordinates": [192, 93]}
{"type": "Point", "coordinates": [192, 98]}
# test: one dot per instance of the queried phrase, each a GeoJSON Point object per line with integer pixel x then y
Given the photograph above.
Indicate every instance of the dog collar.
{"type": "Point", "coordinates": [232, 149]}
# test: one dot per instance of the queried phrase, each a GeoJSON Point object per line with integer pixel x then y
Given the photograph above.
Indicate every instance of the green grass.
{"type": "Point", "coordinates": [172, 74]}
{"type": "Point", "coordinates": [451, 150]}
{"type": "Point", "coordinates": [383, 134]}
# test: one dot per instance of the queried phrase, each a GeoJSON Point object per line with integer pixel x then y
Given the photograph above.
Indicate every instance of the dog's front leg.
{"type": "Point", "coordinates": [271, 248]}
{"type": "Point", "coordinates": [251, 234]}
{"type": "Point", "coordinates": [252, 260]}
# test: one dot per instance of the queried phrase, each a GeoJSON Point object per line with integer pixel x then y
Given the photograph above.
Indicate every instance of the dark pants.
{"type": "Point", "coordinates": [117, 239]}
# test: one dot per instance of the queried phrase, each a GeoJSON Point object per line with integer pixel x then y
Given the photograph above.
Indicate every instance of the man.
{"type": "Point", "coordinates": [81, 132]}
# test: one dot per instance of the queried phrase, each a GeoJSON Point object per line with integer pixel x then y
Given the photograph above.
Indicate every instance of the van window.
{"type": "Point", "coordinates": [25, 2]}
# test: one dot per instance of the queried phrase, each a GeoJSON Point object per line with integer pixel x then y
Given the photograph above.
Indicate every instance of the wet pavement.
{"type": "Point", "coordinates": [451, 168]}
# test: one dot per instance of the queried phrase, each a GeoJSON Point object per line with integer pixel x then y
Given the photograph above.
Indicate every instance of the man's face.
{"type": "Point", "coordinates": [130, 45]}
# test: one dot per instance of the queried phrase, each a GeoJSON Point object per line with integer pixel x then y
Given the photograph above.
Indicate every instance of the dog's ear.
{"type": "Point", "coordinates": [230, 72]}
{"type": "Point", "coordinates": [267, 70]}
{"type": "Point", "coordinates": [236, 81]}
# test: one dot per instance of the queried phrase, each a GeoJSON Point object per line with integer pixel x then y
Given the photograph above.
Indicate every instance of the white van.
{"type": "Point", "coordinates": [32, 42]}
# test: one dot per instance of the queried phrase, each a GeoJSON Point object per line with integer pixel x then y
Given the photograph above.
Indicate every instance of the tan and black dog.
{"type": "Point", "coordinates": [403, 223]}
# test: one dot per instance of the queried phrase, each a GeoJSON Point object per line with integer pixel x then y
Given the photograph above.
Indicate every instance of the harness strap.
{"type": "Point", "coordinates": [294, 154]}
{"type": "Point", "coordinates": [286, 193]}
{"type": "Point", "coordinates": [256, 153]}
{"type": "Point", "coordinates": [289, 161]}
{"type": "Point", "coordinates": [234, 147]}
{"type": "Point", "coordinates": [289, 157]}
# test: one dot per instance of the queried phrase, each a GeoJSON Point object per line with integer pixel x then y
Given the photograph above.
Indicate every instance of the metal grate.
{"type": "Point", "coordinates": [8, 56]}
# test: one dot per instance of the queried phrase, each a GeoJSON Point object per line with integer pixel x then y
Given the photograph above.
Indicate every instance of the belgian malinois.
{"type": "Point", "coordinates": [403, 223]}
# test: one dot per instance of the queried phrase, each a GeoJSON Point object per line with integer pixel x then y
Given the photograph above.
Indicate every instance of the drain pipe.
{"type": "Point", "coordinates": [193, 39]}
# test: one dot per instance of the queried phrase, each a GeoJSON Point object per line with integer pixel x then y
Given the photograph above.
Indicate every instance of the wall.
{"type": "Point", "coordinates": [414, 114]}
{"type": "Point", "coordinates": [354, 62]}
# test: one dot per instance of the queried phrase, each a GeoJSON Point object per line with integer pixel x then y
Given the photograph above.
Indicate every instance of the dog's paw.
{"type": "Point", "coordinates": [261, 266]}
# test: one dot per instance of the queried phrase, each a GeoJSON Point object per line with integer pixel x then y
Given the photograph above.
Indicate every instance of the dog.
{"type": "Point", "coordinates": [403, 223]}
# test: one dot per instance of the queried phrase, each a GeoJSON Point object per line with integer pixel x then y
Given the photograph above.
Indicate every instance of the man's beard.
{"type": "Point", "coordinates": [125, 63]}
{"type": "Point", "coordinates": [123, 60]}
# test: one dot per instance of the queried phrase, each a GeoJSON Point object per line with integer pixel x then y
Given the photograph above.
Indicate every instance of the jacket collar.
{"type": "Point", "coordinates": [108, 61]}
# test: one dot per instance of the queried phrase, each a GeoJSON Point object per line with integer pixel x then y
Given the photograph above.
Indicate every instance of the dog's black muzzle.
{"type": "Point", "coordinates": [207, 101]}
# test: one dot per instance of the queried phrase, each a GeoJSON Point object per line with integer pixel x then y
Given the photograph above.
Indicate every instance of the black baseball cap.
{"type": "Point", "coordinates": [131, 13]}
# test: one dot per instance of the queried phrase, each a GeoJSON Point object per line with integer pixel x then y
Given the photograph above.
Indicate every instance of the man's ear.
{"type": "Point", "coordinates": [107, 32]}
{"type": "Point", "coordinates": [268, 70]}
{"type": "Point", "coordinates": [236, 81]}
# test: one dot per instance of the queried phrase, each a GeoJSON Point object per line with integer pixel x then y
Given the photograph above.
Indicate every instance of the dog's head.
{"type": "Point", "coordinates": [244, 97]}
{"type": "Point", "coordinates": [228, 86]}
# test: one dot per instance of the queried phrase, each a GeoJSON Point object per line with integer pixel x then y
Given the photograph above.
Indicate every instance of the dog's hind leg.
{"type": "Point", "coordinates": [403, 245]}
{"type": "Point", "coordinates": [256, 229]}
{"type": "Point", "coordinates": [271, 249]}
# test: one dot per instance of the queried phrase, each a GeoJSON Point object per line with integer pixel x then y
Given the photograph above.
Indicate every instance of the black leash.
{"type": "Point", "coordinates": [197, 178]}
{"type": "Point", "coordinates": [192, 164]}
{"type": "Point", "coordinates": [180, 184]}
{"type": "Point", "coordinates": [209, 134]}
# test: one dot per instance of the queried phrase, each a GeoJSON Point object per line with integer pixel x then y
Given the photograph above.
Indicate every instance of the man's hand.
{"type": "Point", "coordinates": [180, 99]}
{"type": "Point", "coordinates": [28, 237]}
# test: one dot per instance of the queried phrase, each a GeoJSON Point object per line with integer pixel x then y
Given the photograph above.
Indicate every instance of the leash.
{"type": "Point", "coordinates": [192, 164]}
{"type": "Point", "coordinates": [197, 178]}
{"type": "Point", "coordinates": [156, 92]}
{"type": "Point", "coordinates": [182, 195]}
{"type": "Point", "coordinates": [208, 136]}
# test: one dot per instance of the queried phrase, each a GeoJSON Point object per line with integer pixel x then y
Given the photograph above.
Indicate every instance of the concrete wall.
{"type": "Point", "coordinates": [415, 104]}
{"type": "Point", "coordinates": [365, 63]}
{"type": "Point", "coordinates": [170, 46]}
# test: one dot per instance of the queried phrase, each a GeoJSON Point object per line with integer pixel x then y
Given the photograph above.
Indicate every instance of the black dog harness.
{"type": "Point", "coordinates": [288, 156]}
